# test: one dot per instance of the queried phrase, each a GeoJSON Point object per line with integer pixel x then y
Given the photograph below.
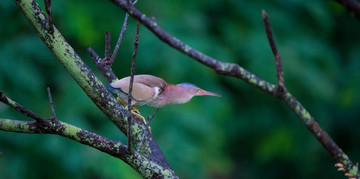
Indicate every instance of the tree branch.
{"type": "Point", "coordinates": [20, 108]}
{"type": "Point", "coordinates": [234, 70]}
{"type": "Point", "coordinates": [145, 167]}
{"type": "Point", "coordinates": [142, 165]}
{"type": "Point", "coordinates": [86, 79]}
{"type": "Point", "coordinates": [229, 69]}
{"type": "Point", "coordinates": [51, 103]}
{"type": "Point", "coordinates": [279, 71]}
{"type": "Point", "coordinates": [104, 65]}
{"type": "Point", "coordinates": [283, 94]}
{"type": "Point", "coordinates": [123, 29]}
{"type": "Point", "coordinates": [132, 73]}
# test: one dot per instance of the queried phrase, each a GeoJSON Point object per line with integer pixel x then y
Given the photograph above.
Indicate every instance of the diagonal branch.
{"type": "Point", "coordinates": [144, 166]}
{"type": "Point", "coordinates": [20, 108]}
{"type": "Point", "coordinates": [279, 71]}
{"type": "Point", "coordinates": [229, 69]}
{"type": "Point", "coordinates": [91, 85]}
{"type": "Point", "coordinates": [237, 71]}
{"type": "Point", "coordinates": [308, 120]}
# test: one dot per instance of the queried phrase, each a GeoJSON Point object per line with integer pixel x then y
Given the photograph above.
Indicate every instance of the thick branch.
{"type": "Point", "coordinates": [145, 167]}
{"type": "Point", "coordinates": [86, 79]}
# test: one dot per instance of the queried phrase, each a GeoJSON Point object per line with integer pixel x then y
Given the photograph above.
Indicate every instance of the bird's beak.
{"type": "Point", "coordinates": [110, 88]}
{"type": "Point", "coordinates": [207, 93]}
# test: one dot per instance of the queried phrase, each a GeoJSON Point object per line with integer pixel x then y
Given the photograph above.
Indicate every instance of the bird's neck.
{"type": "Point", "coordinates": [174, 94]}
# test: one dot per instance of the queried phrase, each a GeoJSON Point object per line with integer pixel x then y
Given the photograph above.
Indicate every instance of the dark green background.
{"type": "Point", "coordinates": [244, 134]}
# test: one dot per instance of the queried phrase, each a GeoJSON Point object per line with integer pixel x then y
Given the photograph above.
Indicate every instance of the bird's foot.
{"type": "Point", "coordinates": [134, 110]}
{"type": "Point", "coordinates": [138, 115]}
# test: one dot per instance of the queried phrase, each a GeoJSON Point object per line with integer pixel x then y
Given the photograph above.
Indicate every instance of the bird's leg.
{"type": "Point", "coordinates": [134, 110]}
{"type": "Point", "coordinates": [149, 118]}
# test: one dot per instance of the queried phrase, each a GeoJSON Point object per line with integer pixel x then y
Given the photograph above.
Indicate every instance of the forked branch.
{"type": "Point", "coordinates": [237, 71]}
{"type": "Point", "coordinates": [284, 95]}
{"type": "Point", "coordinates": [41, 125]}
{"type": "Point", "coordinates": [97, 92]}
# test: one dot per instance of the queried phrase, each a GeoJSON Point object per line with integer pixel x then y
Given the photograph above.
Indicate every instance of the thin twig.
{"type": "Point", "coordinates": [279, 71]}
{"type": "Point", "coordinates": [49, 12]}
{"type": "Point", "coordinates": [149, 118]}
{"type": "Point", "coordinates": [132, 73]}
{"type": "Point", "coordinates": [116, 49]}
{"type": "Point", "coordinates": [94, 55]}
{"type": "Point", "coordinates": [108, 47]}
{"type": "Point", "coordinates": [20, 108]}
{"type": "Point", "coordinates": [51, 104]}
{"type": "Point", "coordinates": [123, 29]}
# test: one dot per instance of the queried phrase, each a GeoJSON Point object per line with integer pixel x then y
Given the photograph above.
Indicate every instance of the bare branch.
{"type": "Point", "coordinates": [108, 48]}
{"type": "Point", "coordinates": [51, 103]}
{"type": "Point", "coordinates": [146, 168]}
{"type": "Point", "coordinates": [235, 70]}
{"type": "Point", "coordinates": [149, 118]}
{"type": "Point", "coordinates": [229, 69]}
{"type": "Point", "coordinates": [21, 109]}
{"type": "Point", "coordinates": [49, 12]}
{"type": "Point", "coordinates": [91, 85]}
{"type": "Point", "coordinates": [123, 29]}
{"type": "Point", "coordinates": [301, 112]}
{"type": "Point", "coordinates": [116, 149]}
{"type": "Point", "coordinates": [279, 71]}
{"type": "Point", "coordinates": [132, 73]}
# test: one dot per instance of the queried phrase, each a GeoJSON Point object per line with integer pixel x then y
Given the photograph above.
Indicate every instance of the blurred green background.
{"type": "Point", "coordinates": [244, 134]}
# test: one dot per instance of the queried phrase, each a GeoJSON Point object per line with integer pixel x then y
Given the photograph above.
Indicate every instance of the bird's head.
{"type": "Point", "coordinates": [193, 90]}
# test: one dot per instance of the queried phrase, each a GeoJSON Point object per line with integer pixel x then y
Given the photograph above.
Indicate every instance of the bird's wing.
{"type": "Point", "coordinates": [149, 80]}
{"type": "Point", "coordinates": [140, 90]}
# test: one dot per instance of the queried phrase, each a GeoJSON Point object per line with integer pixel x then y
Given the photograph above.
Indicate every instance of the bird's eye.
{"type": "Point", "coordinates": [197, 90]}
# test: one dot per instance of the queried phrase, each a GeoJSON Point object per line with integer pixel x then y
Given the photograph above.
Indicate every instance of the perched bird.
{"type": "Point", "coordinates": [153, 91]}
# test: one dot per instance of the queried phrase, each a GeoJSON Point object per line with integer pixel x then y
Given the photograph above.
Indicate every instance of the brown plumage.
{"type": "Point", "coordinates": [154, 91]}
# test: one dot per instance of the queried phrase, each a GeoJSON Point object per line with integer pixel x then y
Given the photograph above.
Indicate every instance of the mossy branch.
{"type": "Point", "coordinates": [143, 166]}
{"type": "Point", "coordinates": [235, 70]}
{"type": "Point", "coordinates": [86, 79]}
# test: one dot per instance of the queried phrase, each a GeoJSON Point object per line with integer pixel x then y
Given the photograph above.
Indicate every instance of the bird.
{"type": "Point", "coordinates": [155, 92]}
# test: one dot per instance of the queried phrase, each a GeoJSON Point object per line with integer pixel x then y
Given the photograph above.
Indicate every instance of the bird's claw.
{"type": "Point", "coordinates": [135, 111]}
